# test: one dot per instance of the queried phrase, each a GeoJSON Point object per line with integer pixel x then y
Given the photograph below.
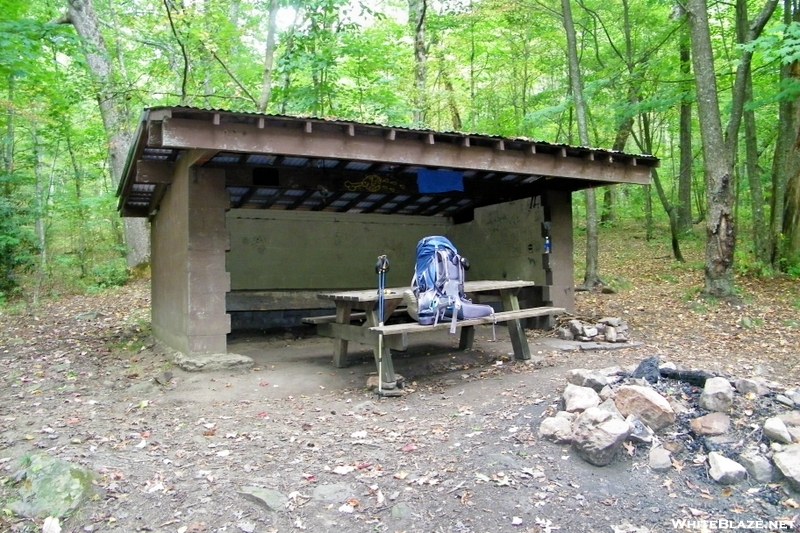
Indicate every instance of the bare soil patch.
{"type": "Point", "coordinates": [296, 444]}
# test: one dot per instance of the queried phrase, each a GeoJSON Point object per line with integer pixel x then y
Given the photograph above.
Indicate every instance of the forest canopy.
{"type": "Point", "coordinates": [75, 75]}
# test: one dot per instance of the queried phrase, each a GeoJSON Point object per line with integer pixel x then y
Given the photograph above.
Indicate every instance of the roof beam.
{"type": "Point", "coordinates": [154, 172]}
{"type": "Point", "coordinates": [185, 133]}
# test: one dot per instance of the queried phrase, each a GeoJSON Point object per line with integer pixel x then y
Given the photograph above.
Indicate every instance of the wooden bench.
{"type": "Point", "coordinates": [468, 326]}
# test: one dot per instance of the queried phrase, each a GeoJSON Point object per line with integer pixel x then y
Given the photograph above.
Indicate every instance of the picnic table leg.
{"type": "Point", "coordinates": [467, 337]}
{"type": "Point", "coordinates": [515, 330]}
{"type": "Point", "coordinates": [340, 345]}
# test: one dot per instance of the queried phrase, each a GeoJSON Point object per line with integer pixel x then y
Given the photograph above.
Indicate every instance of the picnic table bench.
{"type": "Point", "coordinates": [395, 336]}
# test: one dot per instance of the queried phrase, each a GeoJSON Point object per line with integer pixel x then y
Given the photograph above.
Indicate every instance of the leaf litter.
{"type": "Point", "coordinates": [457, 452]}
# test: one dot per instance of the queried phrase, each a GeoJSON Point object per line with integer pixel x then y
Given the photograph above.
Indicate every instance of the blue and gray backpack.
{"type": "Point", "coordinates": [438, 284]}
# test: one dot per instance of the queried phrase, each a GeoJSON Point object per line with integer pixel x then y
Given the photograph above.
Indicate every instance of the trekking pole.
{"type": "Point", "coordinates": [380, 268]}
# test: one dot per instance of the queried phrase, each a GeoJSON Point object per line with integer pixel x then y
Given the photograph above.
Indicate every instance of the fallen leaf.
{"type": "Point", "coordinates": [410, 447]}
{"type": "Point", "coordinates": [677, 465]}
{"type": "Point", "coordinates": [51, 525]}
{"type": "Point", "coordinates": [629, 447]}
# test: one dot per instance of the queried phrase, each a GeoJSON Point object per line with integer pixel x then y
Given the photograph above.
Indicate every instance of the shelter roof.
{"type": "Point", "coordinates": [317, 164]}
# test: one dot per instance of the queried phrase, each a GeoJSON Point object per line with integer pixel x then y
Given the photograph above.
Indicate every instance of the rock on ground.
{"type": "Point", "coordinates": [647, 404]}
{"type": "Point", "coordinates": [717, 395]}
{"type": "Point", "coordinates": [788, 462]}
{"type": "Point", "coordinates": [725, 471]}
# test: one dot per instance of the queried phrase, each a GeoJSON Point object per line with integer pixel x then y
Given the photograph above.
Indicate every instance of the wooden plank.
{"type": "Point", "coordinates": [315, 320]}
{"type": "Point", "coordinates": [503, 316]}
{"type": "Point", "coordinates": [363, 335]}
{"type": "Point", "coordinates": [371, 295]}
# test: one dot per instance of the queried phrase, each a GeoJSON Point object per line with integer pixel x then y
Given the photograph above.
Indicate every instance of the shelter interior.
{"type": "Point", "coordinates": [252, 215]}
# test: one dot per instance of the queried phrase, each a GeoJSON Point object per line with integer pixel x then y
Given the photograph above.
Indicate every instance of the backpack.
{"type": "Point", "coordinates": [438, 284]}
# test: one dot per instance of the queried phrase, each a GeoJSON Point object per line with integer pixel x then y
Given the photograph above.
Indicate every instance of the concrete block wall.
{"type": "Point", "coordinates": [189, 279]}
{"type": "Point", "coordinates": [290, 250]}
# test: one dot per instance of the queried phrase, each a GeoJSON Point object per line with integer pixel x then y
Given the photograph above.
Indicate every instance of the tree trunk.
{"type": "Point", "coordinates": [114, 113]}
{"type": "Point", "coordinates": [416, 16]}
{"type": "Point", "coordinates": [684, 207]}
{"type": "Point", "coordinates": [591, 277]}
{"type": "Point", "coordinates": [670, 209]}
{"type": "Point", "coordinates": [786, 159]}
{"type": "Point", "coordinates": [269, 56]}
{"type": "Point", "coordinates": [720, 229]}
{"type": "Point", "coordinates": [40, 213]}
{"type": "Point", "coordinates": [754, 179]}
{"type": "Point", "coordinates": [791, 219]}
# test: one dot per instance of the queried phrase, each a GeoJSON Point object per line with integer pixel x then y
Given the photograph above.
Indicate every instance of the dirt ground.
{"type": "Point", "coordinates": [295, 444]}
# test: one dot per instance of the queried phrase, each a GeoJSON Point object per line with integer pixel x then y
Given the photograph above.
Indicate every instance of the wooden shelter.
{"type": "Point", "coordinates": [254, 213]}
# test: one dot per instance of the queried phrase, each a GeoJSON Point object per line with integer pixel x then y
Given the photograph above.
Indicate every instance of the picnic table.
{"type": "Point", "coordinates": [395, 336]}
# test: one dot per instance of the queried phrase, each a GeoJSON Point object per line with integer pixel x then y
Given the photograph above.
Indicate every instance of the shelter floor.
{"type": "Point", "coordinates": [297, 361]}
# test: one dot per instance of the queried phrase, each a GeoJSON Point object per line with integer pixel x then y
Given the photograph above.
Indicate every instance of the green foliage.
{"type": "Point", "coordinates": [112, 273]}
{"type": "Point", "coordinates": [16, 247]}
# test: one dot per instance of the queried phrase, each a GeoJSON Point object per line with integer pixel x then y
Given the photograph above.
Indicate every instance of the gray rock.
{"type": "Point", "coordinates": [587, 378]}
{"type": "Point", "coordinates": [678, 406]}
{"type": "Point", "coordinates": [668, 366]}
{"type": "Point", "coordinates": [576, 327]}
{"type": "Point", "coordinates": [401, 510]}
{"type": "Point", "coordinates": [334, 492]}
{"type": "Point", "coordinates": [569, 416]}
{"type": "Point", "coordinates": [792, 418]}
{"type": "Point", "coordinates": [788, 462]}
{"type": "Point", "coordinates": [785, 400]}
{"type": "Point", "coordinates": [758, 466]}
{"type": "Point", "coordinates": [660, 460]}
{"type": "Point", "coordinates": [565, 334]}
{"type": "Point", "coordinates": [269, 499]}
{"type": "Point", "coordinates": [212, 362]}
{"type": "Point", "coordinates": [590, 331]}
{"type": "Point", "coordinates": [776, 430]}
{"type": "Point", "coordinates": [751, 386]}
{"type": "Point", "coordinates": [611, 321]}
{"type": "Point", "coordinates": [717, 395]}
{"type": "Point", "coordinates": [611, 407]}
{"type": "Point", "coordinates": [640, 432]}
{"type": "Point", "coordinates": [556, 429]}
{"type": "Point", "coordinates": [51, 487]}
{"type": "Point", "coordinates": [711, 424]}
{"type": "Point", "coordinates": [597, 436]}
{"type": "Point", "coordinates": [794, 395]}
{"type": "Point", "coordinates": [610, 334]}
{"type": "Point", "coordinates": [646, 404]}
{"type": "Point", "coordinates": [579, 398]}
{"type": "Point", "coordinates": [725, 471]}
{"type": "Point", "coordinates": [794, 431]}
{"type": "Point", "coordinates": [606, 393]}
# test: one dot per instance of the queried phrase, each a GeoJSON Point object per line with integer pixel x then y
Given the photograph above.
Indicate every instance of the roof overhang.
{"type": "Point", "coordinates": [283, 162]}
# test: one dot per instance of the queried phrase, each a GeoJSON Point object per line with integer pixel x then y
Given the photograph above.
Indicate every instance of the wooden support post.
{"type": "Point", "coordinates": [515, 330]}
{"type": "Point", "coordinates": [340, 345]}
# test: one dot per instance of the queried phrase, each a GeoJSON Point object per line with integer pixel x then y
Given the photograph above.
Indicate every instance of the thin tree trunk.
{"type": "Point", "coordinates": [287, 77]}
{"type": "Point", "coordinates": [591, 277]}
{"type": "Point", "coordinates": [416, 16]}
{"type": "Point", "coordinates": [80, 213]}
{"type": "Point", "coordinates": [8, 142]}
{"type": "Point", "coordinates": [684, 206]}
{"type": "Point", "coordinates": [648, 213]}
{"type": "Point", "coordinates": [40, 214]}
{"type": "Point", "coordinates": [269, 56]}
{"type": "Point", "coordinates": [452, 101]}
{"type": "Point", "coordinates": [113, 111]}
{"type": "Point", "coordinates": [720, 228]}
{"type": "Point", "coordinates": [760, 237]}
{"type": "Point", "coordinates": [670, 209]}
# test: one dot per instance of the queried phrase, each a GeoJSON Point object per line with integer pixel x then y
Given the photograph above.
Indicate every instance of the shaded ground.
{"type": "Point", "coordinates": [458, 452]}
